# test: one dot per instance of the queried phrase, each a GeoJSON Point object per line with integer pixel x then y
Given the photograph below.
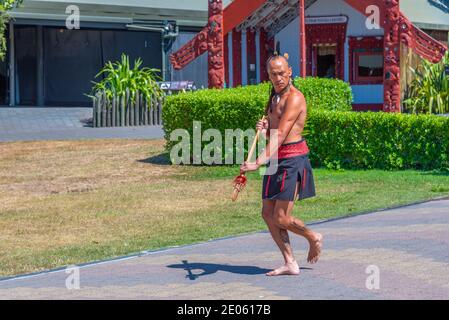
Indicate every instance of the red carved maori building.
{"type": "Point", "coordinates": [359, 41]}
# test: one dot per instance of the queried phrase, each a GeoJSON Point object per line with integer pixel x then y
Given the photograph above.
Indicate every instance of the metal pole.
{"type": "Point", "coordinates": [302, 38]}
{"type": "Point", "coordinates": [164, 59]}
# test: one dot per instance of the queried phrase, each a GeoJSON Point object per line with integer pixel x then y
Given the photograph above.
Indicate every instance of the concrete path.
{"type": "Point", "coordinates": [407, 248]}
{"type": "Point", "coordinates": [53, 123]}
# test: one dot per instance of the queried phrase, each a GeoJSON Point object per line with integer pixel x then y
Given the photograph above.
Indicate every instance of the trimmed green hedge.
{"type": "Point", "coordinates": [337, 139]}
{"type": "Point", "coordinates": [241, 107]}
{"type": "Point", "coordinates": [378, 140]}
{"type": "Point", "coordinates": [320, 93]}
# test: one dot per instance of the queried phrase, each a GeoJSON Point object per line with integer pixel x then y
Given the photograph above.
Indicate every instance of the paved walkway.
{"type": "Point", "coordinates": [53, 123]}
{"type": "Point", "coordinates": [408, 247]}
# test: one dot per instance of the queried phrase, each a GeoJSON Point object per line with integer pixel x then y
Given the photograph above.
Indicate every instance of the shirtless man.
{"type": "Point", "coordinates": [286, 112]}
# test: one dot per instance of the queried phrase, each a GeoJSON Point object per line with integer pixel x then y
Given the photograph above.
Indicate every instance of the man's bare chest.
{"type": "Point", "coordinates": [275, 114]}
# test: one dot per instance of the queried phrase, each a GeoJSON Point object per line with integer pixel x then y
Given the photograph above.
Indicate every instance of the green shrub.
{"type": "Point", "coordinates": [241, 107]}
{"type": "Point", "coordinates": [429, 90]}
{"type": "Point", "coordinates": [337, 139]}
{"type": "Point", "coordinates": [378, 140]}
{"type": "Point", "coordinates": [328, 94]}
{"type": "Point", "coordinates": [120, 76]}
{"type": "Point", "coordinates": [321, 93]}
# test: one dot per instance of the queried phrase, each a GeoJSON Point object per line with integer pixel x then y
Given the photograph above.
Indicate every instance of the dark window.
{"type": "Point", "coordinates": [325, 61]}
{"type": "Point", "coordinates": [368, 67]}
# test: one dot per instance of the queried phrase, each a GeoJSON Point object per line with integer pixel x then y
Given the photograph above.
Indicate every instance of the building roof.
{"type": "Point", "coordinates": [190, 13]}
{"type": "Point", "coordinates": [427, 14]}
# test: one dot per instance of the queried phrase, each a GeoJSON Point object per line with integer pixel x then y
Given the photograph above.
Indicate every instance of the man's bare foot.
{"type": "Point", "coordinates": [291, 269]}
{"type": "Point", "coordinates": [315, 249]}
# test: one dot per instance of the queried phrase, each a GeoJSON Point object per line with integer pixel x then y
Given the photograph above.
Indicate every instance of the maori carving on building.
{"type": "Point", "coordinates": [399, 29]}
{"type": "Point", "coordinates": [392, 90]}
{"type": "Point", "coordinates": [420, 42]}
{"type": "Point", "coordinates": [215, 44]}
{"type": "Point", "coordinates": [209, 39]}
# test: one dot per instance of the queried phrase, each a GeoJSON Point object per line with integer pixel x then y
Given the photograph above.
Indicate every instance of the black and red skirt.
{"type": "Point", "coordinates": [293, 168]}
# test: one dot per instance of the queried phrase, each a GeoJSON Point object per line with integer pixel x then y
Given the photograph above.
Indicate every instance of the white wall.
{"type": "Point", "coordinates": [356, 27]}
{"type": "Point", "coordinates": [289, 41]}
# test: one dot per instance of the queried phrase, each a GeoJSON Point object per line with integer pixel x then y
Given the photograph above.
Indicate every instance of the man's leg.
{"type": "Point", "coordinates": [280, 236]}
{"type": "Point", "coordinates": [284, 220]}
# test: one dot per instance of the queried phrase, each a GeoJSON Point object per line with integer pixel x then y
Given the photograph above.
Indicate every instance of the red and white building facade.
{"type": "Point", "coordinates": [358, 41]}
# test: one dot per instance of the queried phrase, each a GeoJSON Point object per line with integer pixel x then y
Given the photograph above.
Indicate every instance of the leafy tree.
{"type": "Point", "coordinates": [5, 6]}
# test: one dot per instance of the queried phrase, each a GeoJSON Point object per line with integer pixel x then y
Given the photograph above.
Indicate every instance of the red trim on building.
{"type": "Point", "coordinates": [367, 107]}
{"type": "Point", "coordinates": [266, 47]}
{"type": "Point", "coordinates": [237, 11]}
{"type": "Point", "coordinates": [251, 56]}
{"type": "Point", "coordinates": [366, 79]}
{"type": "Point", "coordinates": [237, 58]}
{"type": "Point", "coordinates": [327, 34]}
{"type": "Point", "coordinates": [365, 45]}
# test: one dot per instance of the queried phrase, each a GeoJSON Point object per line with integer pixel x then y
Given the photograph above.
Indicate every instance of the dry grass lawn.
{"type": "Point", "coordinates": [69, 202]}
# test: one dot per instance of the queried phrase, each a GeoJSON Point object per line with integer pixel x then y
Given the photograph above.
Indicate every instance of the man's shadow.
{"type": "Point", "coordinates": [211, 268]}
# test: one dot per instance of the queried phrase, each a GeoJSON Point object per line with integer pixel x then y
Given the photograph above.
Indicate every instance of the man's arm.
{"type": "Point", "coordinates": [294, 106]}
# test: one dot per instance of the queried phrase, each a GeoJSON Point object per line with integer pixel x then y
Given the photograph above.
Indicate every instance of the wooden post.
{"type": "Point", "coordinates": [108, 111]}
{"type": "Point", "coordinates": [103, 109]}
{"type": "Point", "coordinates": [117, 111]}
{"type": "Point", "coordinates": [113, 111]}
{"type": "Point", "coordinates": [126, 107]}
{"type": "Point", "coordinates": [132, 110]}
{"type": "Point", "coordinates": [144, 110]}
{"type": "Point", "coordinates": [98, 113]}
{"type": "Point", "coordinates": [94, 118]}
{"type": "Point", "coordinates": [122, 110]}
{"type": "Point", "coordinates": [138, 108]}
{"type": "Point", "coordinates": [150, 110]}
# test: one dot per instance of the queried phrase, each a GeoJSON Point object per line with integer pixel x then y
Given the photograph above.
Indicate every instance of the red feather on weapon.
{"type": "Point", "coordinates": [241, 180]}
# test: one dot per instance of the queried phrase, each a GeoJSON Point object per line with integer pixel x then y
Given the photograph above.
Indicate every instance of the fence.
{"type": "Point", "coordinates": [124, 111]}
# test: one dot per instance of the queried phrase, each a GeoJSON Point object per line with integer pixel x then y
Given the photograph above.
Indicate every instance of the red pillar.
{"type": "Point", "coordinates": [266, 48]}
{"type": "Point", "coordinates": [263, 55]}
{"type": "Point", "coordinates": [392, 73]}
{"type": "Point", "coordinates": [237, 58]}
{"type": "Point", "coordinates": [302, 38]}
{"type": "Point", "coordinates": [215, 45]}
